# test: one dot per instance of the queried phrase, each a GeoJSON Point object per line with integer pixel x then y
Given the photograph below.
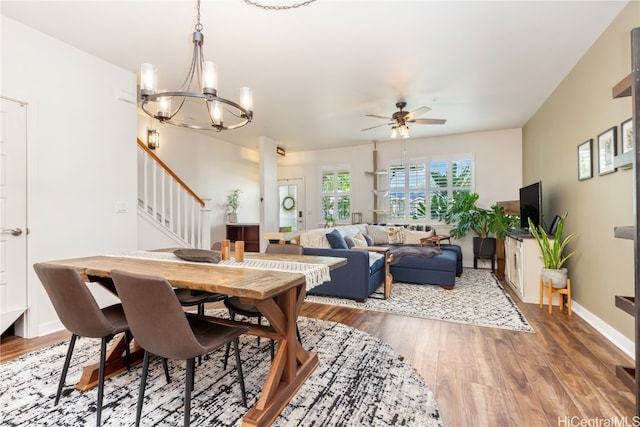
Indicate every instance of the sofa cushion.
{"type": "Point", "coordinates": [413, 237]}
{"type": "Point", "coordinates": [378, 233]}
{"type": "Point", "coordinates": [350, 242]}
{"type": "Point", "coordinates": [336, 240]}
{"type": "Point", "coordinates": [395, 235]}
{"type": "Point", "coordinates": [360, 240]}
{"type": "Point", "coordinates": [369, 239]}
{"type": "Point", "coordinates": [315, 239]}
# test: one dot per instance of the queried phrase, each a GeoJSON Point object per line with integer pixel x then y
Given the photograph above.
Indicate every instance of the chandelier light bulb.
{"type": "Point", "coordinates": [210, 78]}
{"type": "Point", "coordinates": [148, 78]}
{"type": "Point", "coordinates": [164, 107]}
{"type": "Point", "coordinates": [246, 98]}
{"type": "Point", "coordinates": [217, 113]}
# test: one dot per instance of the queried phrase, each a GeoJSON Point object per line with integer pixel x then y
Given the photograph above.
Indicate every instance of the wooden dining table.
{"type": "Point", "coordinates": [279, 295]}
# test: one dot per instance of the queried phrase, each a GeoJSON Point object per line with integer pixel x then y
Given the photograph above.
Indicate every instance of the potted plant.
{"type": "Point", "coordinates": [485, 223]}
{"type": "Point", "coordinates": [233, 203]}
{"type": "Point", "coordinates": [552, 250]}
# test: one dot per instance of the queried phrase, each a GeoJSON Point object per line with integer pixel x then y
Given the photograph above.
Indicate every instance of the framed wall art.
{"type": "Point", "coordinates": [585, 160]}
{"type": "Point", "coordinates": [607, 151]}
{"type": "Point", "coordinates": [626, 135]}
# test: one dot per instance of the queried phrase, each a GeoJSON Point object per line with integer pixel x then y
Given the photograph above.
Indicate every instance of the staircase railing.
{"type": "Point", "coordinates": [169, 202]}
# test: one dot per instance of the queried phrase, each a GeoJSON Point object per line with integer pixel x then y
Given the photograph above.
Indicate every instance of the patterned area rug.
{"type": "Point", "coordinates": [477, 299]}
{"type": "Point", "coordinates": [361, 381]}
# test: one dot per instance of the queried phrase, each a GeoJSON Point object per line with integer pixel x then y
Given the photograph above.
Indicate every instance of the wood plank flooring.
{"type": "Point", "coordinates": [563, 375]}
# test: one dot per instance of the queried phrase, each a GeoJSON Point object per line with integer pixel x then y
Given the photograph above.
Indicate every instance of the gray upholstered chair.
{"type": "Point", "coordinates": [80, 314]}
{"type": "Point", "coordinates": [235, 307]}
{"type": "Point", "coordinates": [161, 327]}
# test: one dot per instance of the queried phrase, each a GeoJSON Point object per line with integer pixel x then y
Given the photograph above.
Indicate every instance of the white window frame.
{"type": "Point", "coordinates": [336, 193]}
{"type": "Point", "coordinates": [450, 189]}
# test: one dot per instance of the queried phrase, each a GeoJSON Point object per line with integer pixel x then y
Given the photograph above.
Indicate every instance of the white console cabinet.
{"type": "Point", "coordinates": [523, 264]}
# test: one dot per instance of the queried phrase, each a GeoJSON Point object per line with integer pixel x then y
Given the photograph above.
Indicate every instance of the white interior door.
{"type": "Point", "coordinates": [13, 211]}
{"type": "Point", "coordinates": [291, 199]}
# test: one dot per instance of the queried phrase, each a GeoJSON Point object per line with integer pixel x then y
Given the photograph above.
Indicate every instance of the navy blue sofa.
{"type": "Point", "coordinates": [355, 280]}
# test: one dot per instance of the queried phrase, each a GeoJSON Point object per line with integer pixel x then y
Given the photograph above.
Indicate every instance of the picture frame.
{"type": "Point", "coordinates": [356, 218]}
{"type": "Point", "coordinates": [607, 150]}
{"type": "Point", "coordinates": [626, 136]}
{"type": "Point", "coordinates": [585, 160]}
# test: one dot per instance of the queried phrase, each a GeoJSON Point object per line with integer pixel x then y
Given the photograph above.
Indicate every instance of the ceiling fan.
{"type": "Point", "coordinates": [400, 118]}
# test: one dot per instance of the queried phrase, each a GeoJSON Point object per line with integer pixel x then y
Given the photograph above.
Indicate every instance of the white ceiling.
{"type": "Point", "coordinates": [317, 70]}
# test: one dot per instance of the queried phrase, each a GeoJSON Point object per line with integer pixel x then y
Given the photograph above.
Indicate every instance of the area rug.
{"type": "Point", "coordinates": [476, 299]}
{"type": "Point", "coordinates": [361, 381]}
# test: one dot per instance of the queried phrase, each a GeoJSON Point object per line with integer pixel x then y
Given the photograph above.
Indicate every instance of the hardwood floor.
{"type": "Point", "coordinates": [563, 375]}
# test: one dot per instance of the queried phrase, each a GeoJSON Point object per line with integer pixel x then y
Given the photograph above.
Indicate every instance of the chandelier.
{"type": "Point", "coordinates": [202, 110]}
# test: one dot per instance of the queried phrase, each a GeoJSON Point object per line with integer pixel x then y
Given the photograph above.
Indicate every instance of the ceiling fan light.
{"type": "Point", "coordinates": [404, 131]}
{"type": "Point", "coordinates": [394, 132]}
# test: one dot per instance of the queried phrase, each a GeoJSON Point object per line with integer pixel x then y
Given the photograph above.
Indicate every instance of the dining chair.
{"type": "Point", "coordinates": [235, 307]}
{"type": "Point", "coordinates": [161, 327]}
{"type": "Point", "coordinates": [80, 314]}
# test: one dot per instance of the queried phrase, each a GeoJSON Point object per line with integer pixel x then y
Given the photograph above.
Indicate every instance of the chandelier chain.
{"type": "Point", "coordinates": [198, 25]}
{"type": "Point", "coordinates": [269, 7]}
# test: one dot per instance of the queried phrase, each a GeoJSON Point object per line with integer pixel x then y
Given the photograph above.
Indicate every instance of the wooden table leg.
{"type": "Point", "coordinates": [114, 364]}
{"type": "Point", "coordinates": [292, 364]}
{"type": "Point", "coordinates": [388, 278]}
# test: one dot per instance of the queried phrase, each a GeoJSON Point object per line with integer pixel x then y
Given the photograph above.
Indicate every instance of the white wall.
{"type": "Point", "coordinates": [81, 156]}
{"type": "Point", "coordinates": [212, 168]}
{"type": "Point", "coordinates": [497, 175]}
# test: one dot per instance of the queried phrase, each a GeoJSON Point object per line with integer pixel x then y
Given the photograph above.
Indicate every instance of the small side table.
{"type": "Point", "coordinates": [435, 240]}
{"type": "Point", "coordinates": [388, 278]}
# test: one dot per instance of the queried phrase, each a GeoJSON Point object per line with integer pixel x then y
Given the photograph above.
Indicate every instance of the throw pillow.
{"type": "Point", "coordinates": [378, 234]}
{"type": "Point", "coordinates": [336, 240]}
{"type": "Point", "coordinates": [350, 242]}
{"type": "Point", "coordinates": [369, 239]}
{"type": "Point", "coordinates": [360, 240]}
{"type": "Point", "coordinates": [395, 235]}
{"type": "Point", "coordinates": [413, 237]}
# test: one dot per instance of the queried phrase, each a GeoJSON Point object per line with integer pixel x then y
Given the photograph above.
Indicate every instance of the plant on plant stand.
{"type": "Point", "coordinates": [233, 202]}
{"type": "Point", "coordinates": [552, 251]}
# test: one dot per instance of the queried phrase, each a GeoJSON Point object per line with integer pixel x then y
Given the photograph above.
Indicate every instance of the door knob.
{"type": "Point", "coordinates": [12, 231]}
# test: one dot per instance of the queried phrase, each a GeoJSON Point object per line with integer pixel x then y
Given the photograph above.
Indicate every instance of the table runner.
{"type": "Point", "coordinates": [315, 274]}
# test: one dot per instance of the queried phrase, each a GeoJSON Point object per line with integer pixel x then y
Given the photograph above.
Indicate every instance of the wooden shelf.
{"type": "Point", "coordinates": [624, 232]}
{"type": "Point", "coordinates": [249, 233]}
{"type": "Point", "coordinates": [627, 375]}
{"type": "Point", "coordinates": [626, 304]}
{"type": "Point", "coordinates": [624, 161]}
{"type": "Point", "coordinates": [623, 88]}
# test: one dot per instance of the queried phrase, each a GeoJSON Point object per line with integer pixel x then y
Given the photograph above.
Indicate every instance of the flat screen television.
{"type": "Point", "coordinates": [531, 205]}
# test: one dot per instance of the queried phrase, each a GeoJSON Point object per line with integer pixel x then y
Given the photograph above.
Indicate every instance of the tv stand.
{"type": "Point", "coordinates": [523, 266]}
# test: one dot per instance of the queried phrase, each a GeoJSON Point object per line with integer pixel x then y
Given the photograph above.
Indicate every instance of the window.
{"type": "Point", "coordinates": [336, 196]}
{"type": "Point", "coordinates": [408, 187]}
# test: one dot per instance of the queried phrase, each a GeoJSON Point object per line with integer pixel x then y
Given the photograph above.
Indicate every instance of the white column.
{"type": "Point", "coordinates": [268, 188]}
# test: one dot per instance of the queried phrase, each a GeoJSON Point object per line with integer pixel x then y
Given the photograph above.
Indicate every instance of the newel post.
{"type": "Point", "coordinates": [205, 224]}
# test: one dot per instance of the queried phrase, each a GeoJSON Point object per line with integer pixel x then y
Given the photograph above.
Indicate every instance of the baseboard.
{"type": "Point", "coordinates": [623, 343]}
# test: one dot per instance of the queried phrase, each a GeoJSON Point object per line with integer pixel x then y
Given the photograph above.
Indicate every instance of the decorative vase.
{"type": "Point", "coordinates": [232, 217]}
{"type": "Point", "coordinates": [558, 277]}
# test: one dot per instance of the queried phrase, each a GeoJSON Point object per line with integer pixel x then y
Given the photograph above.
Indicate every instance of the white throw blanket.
{"type": "Point", "coordinates": [315, 274]}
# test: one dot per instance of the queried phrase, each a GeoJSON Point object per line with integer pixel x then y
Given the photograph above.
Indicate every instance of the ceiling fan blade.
{"type": "Point", "coordinates": [376, 116]}
{"type": "Point", "coordinates": [377, 126]}
{"type": "Point", "coordinates": [428, 121]}
{"type": "Point", "coordinates": [417, 112]}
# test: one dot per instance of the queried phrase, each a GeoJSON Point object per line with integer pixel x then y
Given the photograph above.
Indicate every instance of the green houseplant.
{"type": "Point", "coordinates": [233, 202]}
{"type": "Point", "coordinates": [553, 252]}
{"type": "Point", "coordinates": [466, 216]}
